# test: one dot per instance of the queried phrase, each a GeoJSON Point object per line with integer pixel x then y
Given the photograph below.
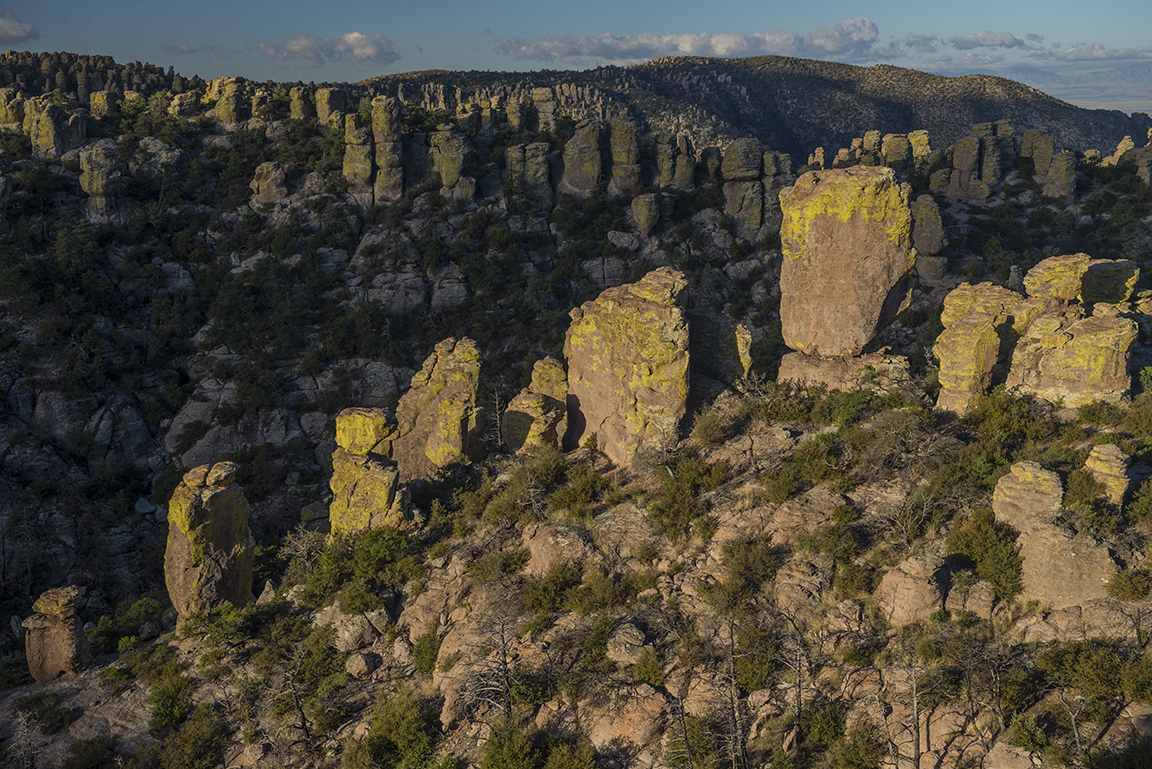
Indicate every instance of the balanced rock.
{"type": "Point", "coordinates": [928, 232]}
{"type": "Point", "coordinates": [55, 645]}
{"type": "Point", "coordinates": [438, 413]}
{"type": "Point", "coordinates": [847, 241]}
{"type": "Point", "coordinates": [645, 210]}
{"type": "Point", "coordinates": [450, 152]}
{"type": "Point", "coordinates": [628, 357]}
{"type": "Point", "coordinates": [210, 548]}
{"type": "Point", "coordinates": [1028, 495]}
{"type": "Point", "coordinates": [363, 431]}
{"type": "Point", "coordinates": [366, 494]}
{"type": "Point", "coordinates": [742, 161]}
{"type": "Point", "coordinates": [538, 416]}
{"type": "Point", "coordinates": [100, 173]}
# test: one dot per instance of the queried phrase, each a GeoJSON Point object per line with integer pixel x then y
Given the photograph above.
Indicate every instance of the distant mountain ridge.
{"type": "Point", "coordinates": [796, 105]}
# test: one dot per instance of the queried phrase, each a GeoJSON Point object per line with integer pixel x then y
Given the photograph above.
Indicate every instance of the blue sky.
{"type": "Point", "coordinates": [1055, 46]}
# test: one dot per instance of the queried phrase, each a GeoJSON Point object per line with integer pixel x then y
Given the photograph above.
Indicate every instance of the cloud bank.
{"type": "Point", "coordinates": [851, 37]}
{"type": "Point", "coordinates": [12, 30]}
{"type": "Point", "coordinates": [350, 48]}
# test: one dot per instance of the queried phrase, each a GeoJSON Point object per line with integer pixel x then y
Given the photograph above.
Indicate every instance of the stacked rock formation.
{"type": "Point", "coordinates": [365, 481]}
{"type": "Point", "coordinates": [978, 162]}
{"type": "Point", "coordinates": [210, 548]}
{"type": "Point", "coordinates": [1069, 340]}
{"type": "Point", "coordinates": [753, 178]}
{"type": "Point", "coordinates": [55, 645]}
{"type": "Point", "coordinates": [627, 354]}
{"type": "Point", "coordinates": [358, 157]}
{"type": "Point", "coordinates": [582, 167]}
{"type": "Point", "coordinates": [100, 174]}
{"type": "Point", "coordinates": [848, 257]}
{"type": "Point", "coordinates": [538, 416]}
{"type": "Point", "coordinates": [1061, 567]}
{"type": "Point", "coordinates": [389, 183]}
{"type": "Point", "coordinates": [437, 416]}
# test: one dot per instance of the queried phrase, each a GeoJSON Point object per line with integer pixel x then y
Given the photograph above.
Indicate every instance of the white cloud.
{"type": "Point", "coordinates": [12, 30]}
{"type": "Point", "coordinates": [850, 37]}
{"type": "Point", "coordinates": [922, 43]}
{"type": "Point", "coordinates": [1091, 52]}
{"type": "Point", "coordinates": [987, 40]}
{"type": "Point", "coordinates": [350, 48]}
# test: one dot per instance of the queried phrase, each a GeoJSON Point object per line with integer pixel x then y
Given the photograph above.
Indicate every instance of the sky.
{"type": "Point", "coordinates": [1091, 54]}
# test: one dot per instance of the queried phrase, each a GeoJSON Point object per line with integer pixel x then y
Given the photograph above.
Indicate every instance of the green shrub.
{"type": "Point", "coordinates": [675, 506]}
{"type": "Point", "coordinates": [198, 744]}
{"type": "Point", "coordinates": [508, 747]}
{"type": "Point", "coordinates": [402, 732]}
{"type": "Point", "coordinates": [1098, 413]}
{"type": "Point", "coordinates": [1027, 734]}
{"type": "Point", "coordinates": [549, 594]}
{"type": "Point", "coordinates": [425, 650]}
{"type": "Point", "coordinates": [92, 753]}
{"type": "Point", "coordinates": [782, 485]}
{"type": "Point", "coordinates": [43, 710]}
{"type": "Point", "coordinates": [1130, 585]}
{"type": "Point", "coordinates": [991, 547]}
{"type": "Point", "coordinates": [648, 668]}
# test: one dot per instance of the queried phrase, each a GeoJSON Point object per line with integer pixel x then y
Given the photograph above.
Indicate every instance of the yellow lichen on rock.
{"type": "Point", "coordinates": [977, 338]}
{"type": "Point", "coordinates": [538, 415]}
{"type": "Point", "coordinates": [210, 549]}
{"type": "Point", "coordinates": [628, 358]}
{"type": "Point", "coordinates": [847, 242]}
{"type": "Point", "coordinates": [438, 413]}
{"type": "Point", "coordinates": [361, 431]}
{"type": "Point", "coordinates": [1111, 467]}
{"type": "Point", "coordinates": [365, 493]}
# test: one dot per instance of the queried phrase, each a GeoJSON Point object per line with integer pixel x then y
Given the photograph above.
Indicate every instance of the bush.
{"type": "Point", "coordinates": [1027, 734]}
{"type": "Point", "coordinates": [402, 733]}
{"type": "Point", "coordinates": [93, 753]}
{"type": "Point", "coordinates": [1130, 585]}
{"type": "Point", "coordinates": [198, 744]}
{"type": "Point", "coordinates": [508, 747]}
{"type": "Point", "coordinates": [991, 547]}
{"type": "Point", "coordinates": [648, 668]}
{"type": "Point", "coordinates": [425, 650]}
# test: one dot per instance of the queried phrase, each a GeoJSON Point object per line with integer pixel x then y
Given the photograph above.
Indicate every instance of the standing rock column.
{"type": "Point", "coordinates": [628, 358]}
{"type": "Point", "coordinates": [538, 415]}
{"type": "Point", "coordinates": [847, 241]}
{"type": "Point", "coordinates": [55, 645]}
{"type": "Point", "coordinates": [623, 140]}
{"type": "Point", "coordinates": [210, 547]}
{"type": "Point", "coordinates": [365, 481]}
{"type": "Point", "coordinates": [582, 171]}
{"type": "Point", "coordinates": [386, 131]}
{"type": "Point", "coordinates": [358, 160]}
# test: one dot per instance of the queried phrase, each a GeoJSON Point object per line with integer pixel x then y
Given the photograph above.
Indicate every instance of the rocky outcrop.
{"type": "Point", "coordinates": [538, 416]}
{"type": "Point", "coordinates": [365, 483]}
{"type": "Point", "coordinates": [1061, 567]}
{"type": "Point", "coordinates": [582, 168]}
{"type": "Point", "coordinates": [847, 240]}
{"type": "Point", "coordinates": [331, 104]}
{"type": "Point", "coordinates": [645, 211]}
{"type": "Point", "coordinates": [437, 415]}
{"type": "Point", "coordinates": [210, 550]}
{"type": "Point", "coordinates": [976, 342]}
{"type": "Point", "coordinates": [269, 184]}
{"type": "Point", "coordinates": [52, 129]}
{"type": "Point", "coordinates": [526, 168]}
{"type": "Point", "coordinates": [300, 105]}
{"type": "Point", "coordinates": [623, 143]}
{"type": "Point", "coordinates": [1111, 467]}
{"type": "Point", "coordinates": [359, 157]}
{"type": "Point", "coordinates": [100, 173]}
{"type": "Point", "coordinates": [54, 643]}
{"type": "Point", "coordinates": [928, 229]}
{"type": "Point", "coordinates": [627, 354]}
{"type": "Point", "coordinates": [875, 371]}
{"type": "Point", "coordinates": [1060, 182]}
{"type": "Point", "coordinates": [1057, 351]}
{"type": "Point", "coordinates": [911, 592]}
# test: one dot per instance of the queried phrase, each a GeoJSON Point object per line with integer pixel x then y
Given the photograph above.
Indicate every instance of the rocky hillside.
{"type": "Point", "coordinates": [455, 419]}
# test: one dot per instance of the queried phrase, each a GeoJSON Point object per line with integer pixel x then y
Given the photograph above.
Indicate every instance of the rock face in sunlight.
{"type": "Point", "coordinates": [438, 413]}
{"type": "Point", "coordinates": [538, 416]}
{"type": "Point", "coordinates": [210, 548]}
{"type": "Point", "coordinates": [627, 355]}
{"type": "Point", "coordinates": [55, 645]}
{"type": "Point", "coordinates": [847, 239]}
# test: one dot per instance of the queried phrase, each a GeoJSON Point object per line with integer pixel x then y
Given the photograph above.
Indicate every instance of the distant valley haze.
{"type": "Point", "coordinates": [1096, 56]}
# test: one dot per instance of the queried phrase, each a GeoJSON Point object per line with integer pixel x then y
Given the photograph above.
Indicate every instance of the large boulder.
{"type": "Point", "coordinates": [627, 355]}
{"type": "Point", "coordinates": [847, 240]}
{"type": "Point", "coordinates": [1111, 467]}
{"type": "Point", "coordinates": [1027, 495]}
{"type": "Point", "coordinates": [54, 644]}
{"type": "Point", "coordinates": [1079, 277]}
{"type": "Point", "coordinates": [911, 592]}
{"type": "Point", "coordinates": [100, 173]}
{"type": "Point", "coordinates": [1075, 360]}
{"type": "Point", "coordinates": [438, 413]}
{"type": "Point", "coordinates": [269, 184]}
{"type": "Point", "coordinates": [210, 548]}
{"type": "Point", "coordinates": [743, 159]}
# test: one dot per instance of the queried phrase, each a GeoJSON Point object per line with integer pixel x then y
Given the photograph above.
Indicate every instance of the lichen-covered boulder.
{"type": "Point", "coordinates": [1058, 277]}
{"type": "Point", "coordinates": [11, 105]}
{"type": "Point", "coordinates": [976, 342]}
{"type": "Point", "coordinates": [627, 354]}
{"type": "Point", "coordinates": [269, 184]}
{"type": "Point", "coordinates": [911, 592]}
{"type": "Point", "coordinates": [582, 171]}
{"type": "Point", "coordinates": [538, 416]}
{"type": "Point", "coordinates": [744, 201]}
{"type": "Point", "coordinates": [450, 152]}
{"type": "Point", "coordinates": [185, 105]}
{"type": "Point", "coordinates": [624, 146]}
{"type": "Point", "coordinates": [54, 645]}
{"type": "Point", "coordinates": [1111, 467]}
{"type": "Point", "coordinates": [103, 104]}
{"type": "Point", "coordinates": [386, 123]}
{"type": "Point", "coordinates": [366, 494]}
{"type": "Point", "coordinates": [1060, 182]}
{"type": "Point", "coordinates": [389, 184]}
{"type": "Point", "coordinates": [1027, 495]}
{"type": "Point", "coordinates": [1038, 145]}
{"type": "Point", "coordinates": [743, 159]}
{"type": "Point", "coordinates": [300, 104]}
{"type": "Point", "coordinates": [331, 104]}
{"type": "Point", "coordinates": [438, 413]}
{"type": "Point", "coordinates": [363, 431]}
{"type": "Point", "coordinates": [527, 167]}
{"type": "Point", "coordinates": [1075, 360]}
{"type": "Point", "coordinates": [210, 550]}
{"type": "Point", "coordinates": [847, 241]}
